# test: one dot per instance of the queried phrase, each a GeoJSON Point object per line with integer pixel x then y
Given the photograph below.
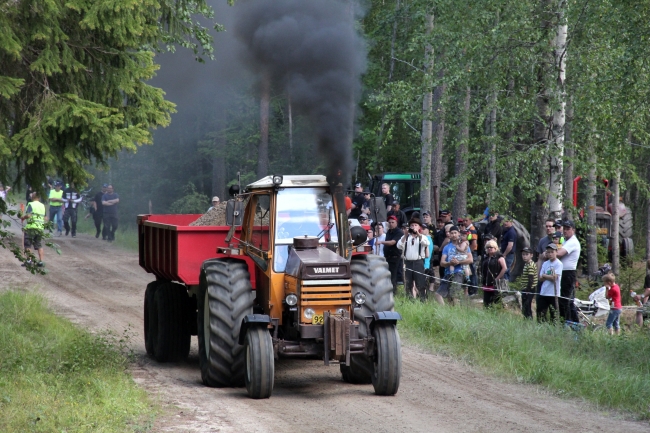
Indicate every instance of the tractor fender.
{"type": "Point", "coordinates": [390, 317]}
{"type": "Point", "coordinates": [251, 321]}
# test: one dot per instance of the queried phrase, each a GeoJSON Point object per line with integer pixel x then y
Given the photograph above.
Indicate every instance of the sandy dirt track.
{"type": "Point", "coordinates": [100, 286]}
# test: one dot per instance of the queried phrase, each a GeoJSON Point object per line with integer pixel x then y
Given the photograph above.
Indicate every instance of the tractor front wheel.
{"type": "Point", "coordinates": [388, 359]}
{"type": "Point", "coordinates": [260, 365]}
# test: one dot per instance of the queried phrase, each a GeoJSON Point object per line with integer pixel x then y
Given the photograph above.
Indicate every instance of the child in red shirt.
{"type": "Point", "coordinates": [613, 293]}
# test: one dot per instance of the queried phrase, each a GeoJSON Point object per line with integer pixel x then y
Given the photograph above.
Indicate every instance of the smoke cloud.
{"type": "Point", "coordinates": [310, 50]}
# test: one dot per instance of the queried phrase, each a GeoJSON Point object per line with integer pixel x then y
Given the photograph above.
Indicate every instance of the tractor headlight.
{"type": "Point", "coordinates": [360, 298]}
{"type": "Point", "coordinates": [309, 313]}
{"type": "Point", "coordinates": [341, 311]}
{"type": "Point", "coordinates": [291, 299]}
{"type": "Point", "coordinates": [277, 180]}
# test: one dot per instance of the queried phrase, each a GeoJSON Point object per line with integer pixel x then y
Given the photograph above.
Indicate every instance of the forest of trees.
{"type": "Point", "coordinates": [497, 102]}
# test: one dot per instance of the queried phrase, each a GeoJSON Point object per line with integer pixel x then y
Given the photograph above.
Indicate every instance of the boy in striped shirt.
{"type": "Point", "coordinates": [529, 280]}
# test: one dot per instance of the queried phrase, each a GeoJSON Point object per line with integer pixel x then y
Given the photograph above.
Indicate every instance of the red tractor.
{"type": "Point", "coordinates": [287, 278]}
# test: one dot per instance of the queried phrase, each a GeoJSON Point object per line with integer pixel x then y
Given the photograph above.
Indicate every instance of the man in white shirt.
{"type": "Point", "coordinates": [415, 248]}
{"type": "Point", "coordinates": [568, 255]}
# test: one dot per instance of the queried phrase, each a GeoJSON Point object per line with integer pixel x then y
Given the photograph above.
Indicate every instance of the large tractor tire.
{"type": "Point", "coordinates": [388, 359]}
{"type": "Point", "coordinates": [225, 297]}
{"type": "Point", "coordinates": [169, 323]}
{"type": "Point", "coordinates": [370, 275]}
{"type": "Point", "coordinates": [625, 227]}
{"type": "Point", "coordinates": [148, 306]}
{"type": "Point", "coordinates": [260, 365]}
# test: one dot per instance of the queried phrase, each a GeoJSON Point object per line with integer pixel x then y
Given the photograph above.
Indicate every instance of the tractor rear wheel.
{"type": "Point", "coordinates": [625, 227]}
{"type": "Point", "coordinates": [388, 359]}
{"type": "Point", "coordinates": [370, 276]}
{"type": "Point", "coordinates": [260, 365]}
{"type": "Point", "coordinates": [225, 297]}
{"type": "Point", "coordinates": [148, 306]}
{"type": "Point", "coordinates": [168, 325]}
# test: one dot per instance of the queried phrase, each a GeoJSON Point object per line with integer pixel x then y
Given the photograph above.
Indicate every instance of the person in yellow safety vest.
{"type": "Point", "coordinates": [56, 206]}
{"type": "Point", "coordinates": [35, 216]}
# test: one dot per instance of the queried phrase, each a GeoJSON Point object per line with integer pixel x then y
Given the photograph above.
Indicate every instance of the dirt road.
{"type": "Point", "coordinates": [100, 286]}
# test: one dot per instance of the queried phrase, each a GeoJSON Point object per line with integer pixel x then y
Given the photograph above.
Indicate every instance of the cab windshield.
{"type": "Point", "coordinates": [299, 212]}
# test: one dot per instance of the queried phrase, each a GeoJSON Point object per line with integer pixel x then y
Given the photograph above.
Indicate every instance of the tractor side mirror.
{"type": "Point", "coordinates": [234, 214]}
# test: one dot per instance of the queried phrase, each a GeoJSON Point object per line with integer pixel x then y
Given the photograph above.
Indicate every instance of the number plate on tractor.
{"type": "Point", "coordinates": [317, 319]}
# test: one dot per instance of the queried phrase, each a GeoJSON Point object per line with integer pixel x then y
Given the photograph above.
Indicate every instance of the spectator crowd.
{"type": "Point", "coordinates": [454, 258]}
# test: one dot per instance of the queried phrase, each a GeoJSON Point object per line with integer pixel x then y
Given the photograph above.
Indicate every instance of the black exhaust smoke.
{"type": "Point", "coordinates": [310, 50]}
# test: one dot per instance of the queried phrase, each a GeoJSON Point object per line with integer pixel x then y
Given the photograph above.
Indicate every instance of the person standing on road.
{"type": "Point", "coordinates": [391, 252]}
{"type": "Point", "coordinates": [35, 216]}
{"type": "Point", "coordinates": [110, 201]}
{"type": "Point", "coordinates": [415, 249]}
{"type": "Point", "coordinates": [71, 198]}
{"type": "Point", "coordinates": [56, 206]}
{"type": "Point", "coordinates": [569, 255]}
{"type": "Point", "coordinates": [98, 212]}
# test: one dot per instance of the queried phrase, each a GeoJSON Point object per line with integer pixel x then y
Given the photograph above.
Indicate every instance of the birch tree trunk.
{"type": "Point", "coordinates": [427, 125]}
{"type": "Point", "coordinates": [263, 149]}
{"type": "Point", "coordinates": [436, 153]}
{"type": "Point", "coordinates": [592, 237]}
{"type": "Point", "coordinates": [569, 152]}
{"type": "Point", "coordinates": [460, 199]}
{"type": "Point", "coordinates": [616, 254]}
{"type": "Point", "coordinates": [556, 144]}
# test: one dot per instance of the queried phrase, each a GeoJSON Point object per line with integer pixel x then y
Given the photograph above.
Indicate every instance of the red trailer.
{"type": "Point", "coordinates": [173, 250]}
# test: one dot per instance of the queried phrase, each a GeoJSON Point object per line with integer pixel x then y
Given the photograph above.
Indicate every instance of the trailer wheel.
{"type": "Point", "coordinates": [370, 275]}
{"type": "Point", "coordinates": [148, 312]}
{"type": "Point", "coordinates": [260, 366]}
{"type": "Point", "coordinates": [168, 323]}
{"type": "Point", "coordinates": [388, 359]}
{"type": "Point", "coordinates": [225, 298]}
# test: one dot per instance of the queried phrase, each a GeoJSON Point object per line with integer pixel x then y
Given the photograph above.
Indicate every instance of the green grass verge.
{"type": "Point", "coordinates": [610, 371]}
{"type": "Point", "coordinates": [55, 376]}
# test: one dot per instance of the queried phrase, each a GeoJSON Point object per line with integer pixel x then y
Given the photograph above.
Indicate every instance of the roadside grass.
{"type": "Point", "coordinates": [55, 376]}
{"type": "Point", "coordinates": [611, 372]}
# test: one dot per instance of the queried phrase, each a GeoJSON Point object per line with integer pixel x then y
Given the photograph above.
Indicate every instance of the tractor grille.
{"type": "Point", "coordinates": [325, 295]}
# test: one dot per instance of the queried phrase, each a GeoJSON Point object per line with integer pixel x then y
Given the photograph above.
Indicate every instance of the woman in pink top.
{"type": "Point", "coordinates": [613, 293]}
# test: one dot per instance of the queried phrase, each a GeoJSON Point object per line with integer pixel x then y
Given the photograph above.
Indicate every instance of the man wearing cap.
{"type": "Point", "coordinates": [426, 219]}
{"type": "Point", "coordinates": [415, 248]}
{"type": "Point", "coordinates": [551, 277]}
{"type": "Point", "coordinates": [445, 215]}
{"type": "Point", "coordinates": [357, 201]}
{"type": "Point", "coordinates": [493, 227]}
{"type": "Point", "coordinates": [508, 244]}
{"type": "Point", "coordinates": [365, 209]}
{"type": "Point", "coordinates": [398, 213]}
{"type": "Point", "coordinates": [569, 254]}
{"type": "Point", "coordinates": [391, 252]}
{"type": "Point", "coordinates": [56, 206]}
{"type": "Point", "coordinates": [215, 202]}
{"type": "Point", "coordinates": [529, 279]}
{"type": "Point", "coordinates": [97, 212]}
